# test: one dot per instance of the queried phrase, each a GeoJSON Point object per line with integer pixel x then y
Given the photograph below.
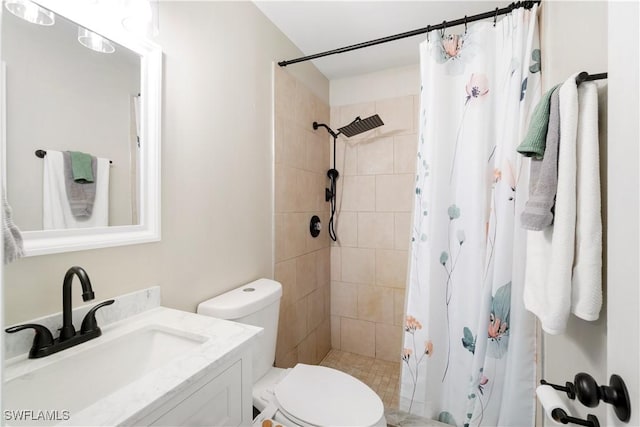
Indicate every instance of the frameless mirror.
{"type": "Point", "coordinates": [79, 83]}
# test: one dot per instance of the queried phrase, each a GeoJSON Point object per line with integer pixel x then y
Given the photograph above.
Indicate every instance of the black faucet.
{"type": "Point", "coordinates": [43, 342]}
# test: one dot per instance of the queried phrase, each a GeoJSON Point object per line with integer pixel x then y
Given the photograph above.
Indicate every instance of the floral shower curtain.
{"type": "Point", "coordinates": [469, 345]}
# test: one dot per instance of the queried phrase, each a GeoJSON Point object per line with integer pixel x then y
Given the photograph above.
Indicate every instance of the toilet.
{"type": "Point", "coordinates": [305, 395]}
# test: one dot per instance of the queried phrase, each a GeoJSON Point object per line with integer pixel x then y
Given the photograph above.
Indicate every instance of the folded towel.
{"type": "Point", "coordinates": [80, 195]}
{"type": "Point", "coordinates": [538, 210]}
{"type": "Point", "coordinates": [550, 254]}
{"type": "Point", "coordinates": [586, 286]}
{"type": "Point", "coordinates": [56, 211]}
{"type": "Point", "coordinates": [13, 247]}
{"type": "Point", "coordinates": [533, 144]}
{"type": "Point", "coordinates": [83, 166]}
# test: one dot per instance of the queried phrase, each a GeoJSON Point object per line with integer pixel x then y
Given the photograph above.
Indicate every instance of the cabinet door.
{"type": "Point", "coordinates": [217, 403]}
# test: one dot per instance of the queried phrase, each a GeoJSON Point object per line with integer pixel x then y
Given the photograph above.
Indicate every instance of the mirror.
{"type": "Point", "coordinates": [61, 95]}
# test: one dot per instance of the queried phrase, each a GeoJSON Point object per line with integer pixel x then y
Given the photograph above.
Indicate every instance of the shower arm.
{"type": "Point", "coordinates": [316, 125]}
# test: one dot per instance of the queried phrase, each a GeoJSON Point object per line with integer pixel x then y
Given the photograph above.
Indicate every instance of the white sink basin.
{"type": "Point", "coordinates": [77, 379]}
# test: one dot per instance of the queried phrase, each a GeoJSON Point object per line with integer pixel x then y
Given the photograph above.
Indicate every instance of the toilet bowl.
{"type": "Point", "coordinates": [305, 395]}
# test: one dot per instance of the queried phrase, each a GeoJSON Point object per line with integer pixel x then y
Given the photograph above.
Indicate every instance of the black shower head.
{"type": "Point", "coordinates": [358, 126]}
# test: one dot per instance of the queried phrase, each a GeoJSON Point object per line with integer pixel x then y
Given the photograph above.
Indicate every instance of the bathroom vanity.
{"type": "Point", "coordinates": [157, 367]}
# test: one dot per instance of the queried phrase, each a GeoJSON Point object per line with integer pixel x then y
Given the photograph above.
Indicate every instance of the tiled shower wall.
{"type": "Point", "coordinates": [302, 263]}
{"type": "Point", "coordinates": [369, 261]}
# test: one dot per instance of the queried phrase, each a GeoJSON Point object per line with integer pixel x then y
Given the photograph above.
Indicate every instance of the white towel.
{"type": "Point", "coordinates": [586, 287]}
{"type": "Point", "coordinates": [56, 211]}
{"type": "Point", "coordinates": [12, 238]}
{"type": "Point", "coordinates": [550, 254]}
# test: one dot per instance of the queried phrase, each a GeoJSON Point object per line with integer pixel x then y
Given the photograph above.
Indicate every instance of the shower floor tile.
{"type": "Point", "coordinates": [383, 377]}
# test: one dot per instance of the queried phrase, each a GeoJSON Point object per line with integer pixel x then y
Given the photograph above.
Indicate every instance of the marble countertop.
{"type": "Point", "coordinates": [224, 340]}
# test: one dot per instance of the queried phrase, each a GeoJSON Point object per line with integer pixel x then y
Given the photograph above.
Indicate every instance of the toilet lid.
{"type": "Point", "coordinates": [322, 396]}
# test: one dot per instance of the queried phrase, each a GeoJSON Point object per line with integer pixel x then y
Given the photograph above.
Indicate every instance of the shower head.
{"type": "Point", "coordinates": [358, 126]}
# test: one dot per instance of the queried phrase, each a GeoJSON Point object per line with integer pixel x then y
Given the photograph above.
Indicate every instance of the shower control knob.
{"type": "Point", "coordinates": [315, 226]}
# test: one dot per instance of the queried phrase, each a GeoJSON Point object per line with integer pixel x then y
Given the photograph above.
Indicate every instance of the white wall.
{"type": "Point", "coordinates": [63, 96]}
{"type": "Point", "coordinates": [217, 169]}
{"type": "Point", "coordinates": [623, 276]}
{"type": "Point", "coordinates": [574, 39]}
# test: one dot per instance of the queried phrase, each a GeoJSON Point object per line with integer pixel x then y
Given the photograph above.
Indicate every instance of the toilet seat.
{"type": "Point", "coordinates": [320, 396]}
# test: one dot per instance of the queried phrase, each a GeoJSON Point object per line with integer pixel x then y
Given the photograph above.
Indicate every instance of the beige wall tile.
{"type": "Point", "coordinates": [335, 332]}
{"type": "Point", "coordinates": [294, 148]}
{"type": "Point", "coordinates": [323, 270]}
{"type": "Point", "coordinates": [376, 230]}
{"type": "Point", "coordinates": [358, 193]}
{"type": "Point", "coordinates": [285, 90]}
{"type": "Point", "coordinates": [315, 309]}
{"type": "Point", "coordinates": [278, 139]}
{"type": "Point", "coordinates": [344, 299]}
{"type": "Point", "coordinates": [306, 275]}
{"type": "Point", "coordinates": [375, 303]}
{"type": "Point", "coordinates": [391, 268]}
{"type": "Point", "coordinates": [336, 263]}
{"type": "Point", "coordinates": [346, 156]}
{"type": "Point", "coordinates": [358, 265]}
{"type": "Point", "coordinates": [304, 110]}
{"type": "Point", "coordinates": [317, 154]}
{"type": "Point", "coordinates": [323, 336]}
{"type": "Point", "coordinates": [346, 225]}
{"type": "Point", "coordinates": [307, 349]}
{"type": "Point", "coordinates": [398, 304]}
{"type": "Point", "coordinates": [327, 301]}
{"type": "Point", "coordinates": [375, 156]}
{"type": "Point", "coordinates": [405, 153]}
{"type": "Point", "coordinates": [280, 190]}
{"type": "Point", "coordinates": [397, 114]}
{"type": "Point", "coordinates": [285, 273]}
{"type": "Point", "coordinates": [295, 234]}
{"type": "Point", "coordinates": [402, 230]}
{"type": "Point", "coordinates": [394, 193]}
{"type": "Point", "coordinates": [288, 359]}
{"type": "Point", "coordinates": [388, 342]}
{"type": "Point", "coordinates": [298, 322]}
{"type": "Point", "coordinates": [357, 336]}
{"type": "Point", "coordinates": [279, 237]}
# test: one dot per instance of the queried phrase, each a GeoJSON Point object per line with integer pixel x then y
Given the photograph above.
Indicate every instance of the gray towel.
{"type": "Point", "coordinates": [11, 236]}
{"type": "Point", "coordinates": [543, 182]}
{"type": "Point", "coordinates": [81, 195]}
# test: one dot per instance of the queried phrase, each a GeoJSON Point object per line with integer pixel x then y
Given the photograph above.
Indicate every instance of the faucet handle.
{"type": "Point", "coordinates": [42, 338]}
{"type": "Point", "coordinates": [89, 323]}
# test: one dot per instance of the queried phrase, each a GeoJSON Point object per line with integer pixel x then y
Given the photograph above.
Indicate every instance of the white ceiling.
{"type": "Point", "coordinates": [318, 26]}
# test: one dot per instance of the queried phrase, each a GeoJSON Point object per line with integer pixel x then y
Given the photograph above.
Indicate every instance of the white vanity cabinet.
{"type": "Point", "coordinates": [219, 398]}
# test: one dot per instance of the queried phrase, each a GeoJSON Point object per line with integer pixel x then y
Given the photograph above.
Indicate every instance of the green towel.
{"type": "Point", "coordinates": [535, 142]}
{"type": "Point", "coordinates": [81, 167]}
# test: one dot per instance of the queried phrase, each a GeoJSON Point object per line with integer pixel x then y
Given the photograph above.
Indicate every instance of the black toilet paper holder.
{"type": "Point", "coordinates": [589, 393]}
{"type": "Point", "coordinates": [561, 416]}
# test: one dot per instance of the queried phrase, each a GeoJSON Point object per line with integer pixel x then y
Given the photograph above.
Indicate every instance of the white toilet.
{"type": "Point", "coordinates": [305, 395]}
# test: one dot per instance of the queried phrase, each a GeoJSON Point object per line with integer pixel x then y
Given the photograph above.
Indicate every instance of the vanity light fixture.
{"type": "Point", "coordinates": [94, 41]}
{"type": "Point", "coordinates": [30, 12]}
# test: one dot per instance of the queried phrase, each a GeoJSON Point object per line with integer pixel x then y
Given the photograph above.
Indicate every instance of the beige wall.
{"type": "Point", "coordinates": [377, 171]}
{"type": "Point", "coordinates": [217, 169]}
{"type": "Point", "coordinates": [301, 261]}
{"type": "Point", "coordinates": [567, 49]}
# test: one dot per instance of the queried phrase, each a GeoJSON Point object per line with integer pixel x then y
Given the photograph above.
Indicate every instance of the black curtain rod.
{"type": "Point", "coordinates": [493, 14]}
{"type": "Point", "coordinates": [586, 77]}
{"type": "Point", "coordinates": [42, 153]}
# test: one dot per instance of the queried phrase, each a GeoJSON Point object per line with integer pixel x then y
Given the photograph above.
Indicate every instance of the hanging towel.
{"type": "Point", "coordinates": [586, 287]}
{"type": "Point", "coordinates": [81, 194]}
{"type": "Point", "coordinates": [82, 166]}
{"type": "Point", "coordinates": [13, 247]}
{"type": "Point", "coordinates": [538, 210]}
{"type": "Point", "coordinates": [56, 210]}
{"type": "Point", "coordinates": [534, 143]}
{"type": "Point", "coordinates": [550, 253]}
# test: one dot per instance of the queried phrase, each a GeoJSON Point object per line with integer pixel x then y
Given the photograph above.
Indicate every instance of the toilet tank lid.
{"type": "Point", "coordinates": [242, 301]}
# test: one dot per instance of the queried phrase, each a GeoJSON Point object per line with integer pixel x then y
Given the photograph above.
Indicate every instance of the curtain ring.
{"type": "Point", "coordinates": [444, 28]}
{"type": "Point", "coordinates": [428, 31]}
{"type": "Point", "coordinates": [465, 24]}
{"type": "Point", "coordinates": [495, 17]}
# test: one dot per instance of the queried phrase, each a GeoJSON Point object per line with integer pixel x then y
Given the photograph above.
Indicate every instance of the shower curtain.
{"type": "Point", "coordinates": [468, 355]}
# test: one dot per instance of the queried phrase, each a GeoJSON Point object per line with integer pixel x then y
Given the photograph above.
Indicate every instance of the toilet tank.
{"type": "Point", "coordinates": [258, 304]}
